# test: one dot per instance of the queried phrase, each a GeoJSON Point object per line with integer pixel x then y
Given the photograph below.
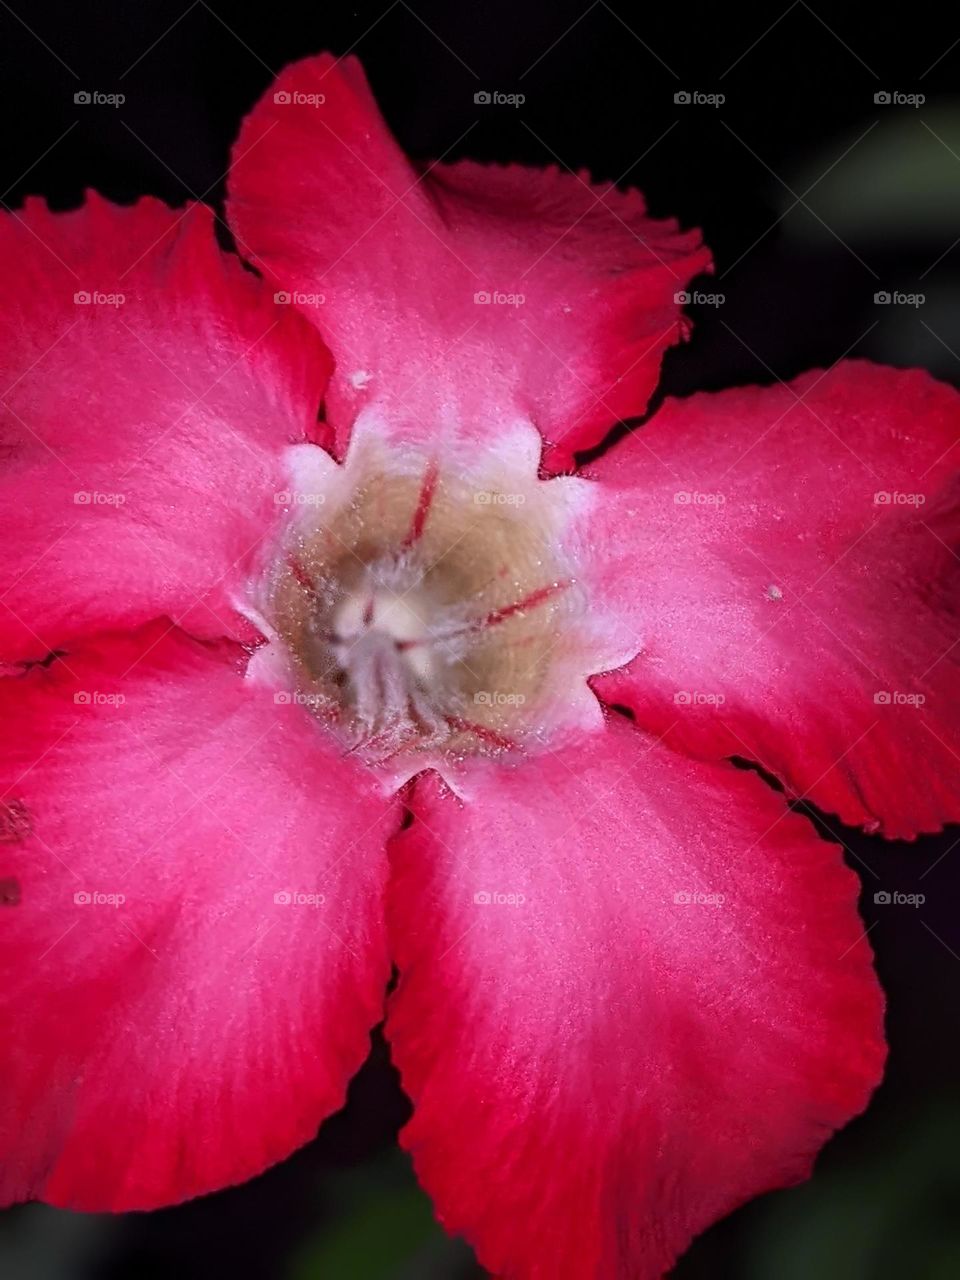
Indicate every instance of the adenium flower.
{"type": "Point", "coordinates": [291, 699]}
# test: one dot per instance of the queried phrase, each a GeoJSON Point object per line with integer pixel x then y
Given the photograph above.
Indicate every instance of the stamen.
{"type": "Point", "coordinates": [495, 617]}
{"type": "Point", "coordinates": [424, 502]}
{"type": "Point", "coordinates": [529, 602]}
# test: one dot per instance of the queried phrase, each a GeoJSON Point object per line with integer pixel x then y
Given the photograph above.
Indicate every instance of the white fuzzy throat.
{"type": "Point", "coordinates": [385, 650]}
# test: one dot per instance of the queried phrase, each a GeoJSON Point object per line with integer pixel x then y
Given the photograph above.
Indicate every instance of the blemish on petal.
{"type": "Point", "coordinates": [15, 824]}
{"type": "Point", "coordinates": [359, 378]}
{"type": "Point", "coordinates": [774, 593]}
{"type": "Point", "coordinates": [9, 891]}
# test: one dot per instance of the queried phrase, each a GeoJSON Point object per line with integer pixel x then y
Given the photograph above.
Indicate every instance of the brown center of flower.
{"type": "Point", "coordinates": [424, 613]}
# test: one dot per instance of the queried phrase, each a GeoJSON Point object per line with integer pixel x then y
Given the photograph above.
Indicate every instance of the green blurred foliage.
{"type": "Point", "coordinates": [384, 1229]}
{"type": "Point", "coordinates": [899, 181]}
{"type": "Point", "coordinates": [889, 197]}
{"type": "Point", "coordinates": [891, 1213]}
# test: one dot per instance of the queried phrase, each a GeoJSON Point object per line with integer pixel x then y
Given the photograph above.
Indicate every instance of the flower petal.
{"type": "Point", "coordinates": [785, 556]}
{"type": "Point", "coordinates": [194, 953]}
{"type": "Point", "coordinates": [459, 298]}
{"type": "Point", "coordinates": [634, 991]}
{"type": "Point", "coordinates": [151, 386]}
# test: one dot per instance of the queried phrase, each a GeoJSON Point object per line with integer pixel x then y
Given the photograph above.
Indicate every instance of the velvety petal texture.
{"type": "Point", "coordinates": [458, 298]}
{"type": "Point", "coordinates": [787, 560]}
{"type": "Point", "coordinates": [150, 384]}
{"type": "Point", "coordinates": [192, 945]}
{"type": "Point", "coordinates": [634, 991]}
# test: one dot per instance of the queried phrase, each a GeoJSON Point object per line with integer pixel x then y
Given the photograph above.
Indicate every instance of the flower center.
{"type": "Point", "coordinates": [419, 610]}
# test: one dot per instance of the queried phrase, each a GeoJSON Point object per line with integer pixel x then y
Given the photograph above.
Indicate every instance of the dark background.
{"type": "Point", "coordinates": [814, 197]}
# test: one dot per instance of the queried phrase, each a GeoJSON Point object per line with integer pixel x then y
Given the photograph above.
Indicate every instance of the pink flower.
{"type": "Point", "coordinates": [239, 642]}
